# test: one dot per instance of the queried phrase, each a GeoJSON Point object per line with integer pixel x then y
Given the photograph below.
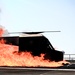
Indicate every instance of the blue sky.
{"type": "Point", "coordinates": [42, 15]}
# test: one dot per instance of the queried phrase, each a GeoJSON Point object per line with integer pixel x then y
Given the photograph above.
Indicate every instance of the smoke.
{"type": "Point", "coordinates": [3, 31]}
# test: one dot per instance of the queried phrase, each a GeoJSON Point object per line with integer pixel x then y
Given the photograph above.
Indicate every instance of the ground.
{"type": "Point", "coordinates": [25, 71]}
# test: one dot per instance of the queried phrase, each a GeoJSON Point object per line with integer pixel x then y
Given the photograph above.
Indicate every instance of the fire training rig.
{"type": "Point", "coordinates": [36, 43]}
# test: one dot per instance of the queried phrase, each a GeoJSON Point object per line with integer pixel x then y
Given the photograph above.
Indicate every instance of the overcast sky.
{"type": "Point", "coordinates": [42, 15]}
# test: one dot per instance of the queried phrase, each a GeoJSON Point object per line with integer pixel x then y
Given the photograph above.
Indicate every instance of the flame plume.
{"type": "Point", "coordinates": [10, 56]}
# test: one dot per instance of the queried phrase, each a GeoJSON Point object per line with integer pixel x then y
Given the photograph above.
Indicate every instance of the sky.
{"type": "Point", "coordinates": [42, 15]}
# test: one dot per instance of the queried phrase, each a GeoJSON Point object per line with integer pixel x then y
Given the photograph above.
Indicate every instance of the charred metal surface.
{"type": "Point", "coordinates": [38, 45]}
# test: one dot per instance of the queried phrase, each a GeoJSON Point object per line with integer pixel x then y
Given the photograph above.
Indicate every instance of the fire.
{"type": "Point", "coordinates": [2, 41]}
{"type": "Point", "coordinates": [9, 56]}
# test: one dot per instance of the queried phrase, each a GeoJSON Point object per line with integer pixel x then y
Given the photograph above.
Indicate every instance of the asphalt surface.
{"type": "Point", "coordinates": [35, 71]}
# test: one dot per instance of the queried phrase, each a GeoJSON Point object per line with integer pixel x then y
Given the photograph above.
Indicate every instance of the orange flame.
{"type": "Point", "coordinates": [9, 56]}
{"type": "Point", "coordinates": [2, 41]}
